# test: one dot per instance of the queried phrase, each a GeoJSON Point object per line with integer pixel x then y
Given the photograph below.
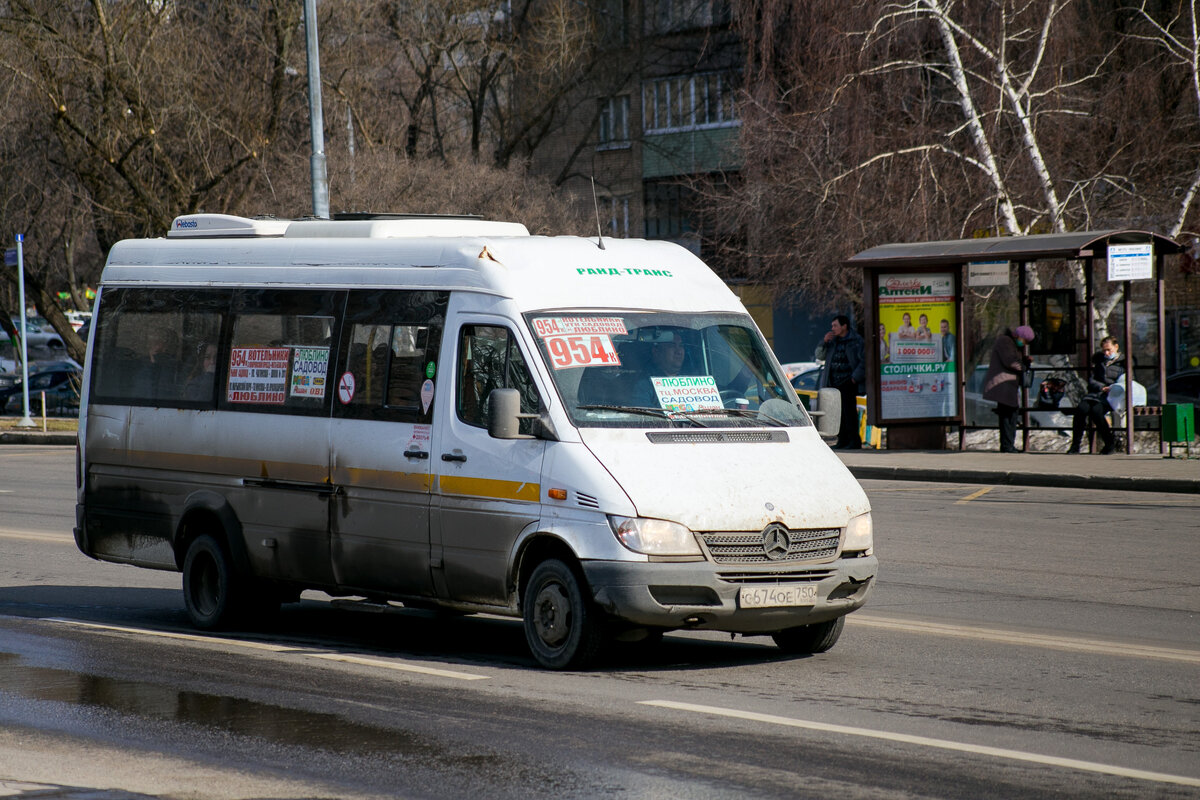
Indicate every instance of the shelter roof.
{"type": "Point", "coordinates": [1075, 245]}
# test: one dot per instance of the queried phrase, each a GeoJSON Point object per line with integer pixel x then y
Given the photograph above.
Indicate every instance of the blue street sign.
{"type": "Point", "coordinates": [10, 257]}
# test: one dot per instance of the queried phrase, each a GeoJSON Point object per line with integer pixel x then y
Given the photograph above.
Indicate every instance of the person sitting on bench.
{"type": "Point", "coordinates": [1107, 366]}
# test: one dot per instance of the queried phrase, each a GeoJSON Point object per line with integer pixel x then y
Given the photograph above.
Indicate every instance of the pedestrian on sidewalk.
{"type": "Point", "coordinates": [844, 355]}
{"type": "Point", "coordinates": [1003, 381]}
{"type": "Point", "coordinates": [1108, 365]}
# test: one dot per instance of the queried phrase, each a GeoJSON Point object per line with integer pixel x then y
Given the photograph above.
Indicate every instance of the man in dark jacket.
{"type": "Point", "coordinates": [845, 370]}
{"type": "Point", "coordinates": [1107, 367]}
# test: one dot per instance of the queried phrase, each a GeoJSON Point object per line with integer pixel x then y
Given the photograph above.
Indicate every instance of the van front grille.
{"type": "Point", "coordinates": [793, 576]}
{"type": "Point", "coordinates": [726, 437]}
{"type": "Point", "coordinates": [748, 547]}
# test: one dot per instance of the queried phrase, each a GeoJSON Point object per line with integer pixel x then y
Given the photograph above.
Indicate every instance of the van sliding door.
{"type": "Point", "coordinates": [382, 440]}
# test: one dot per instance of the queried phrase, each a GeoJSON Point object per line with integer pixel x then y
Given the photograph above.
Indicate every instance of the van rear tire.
{"type": "Point", "coordinates": [562, 626]}
{"type": "Point", "coordinates": [809, 639]}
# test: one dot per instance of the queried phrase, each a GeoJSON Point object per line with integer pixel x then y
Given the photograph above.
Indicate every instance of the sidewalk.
{"type": "Point", "coordinates": [1146, 472]}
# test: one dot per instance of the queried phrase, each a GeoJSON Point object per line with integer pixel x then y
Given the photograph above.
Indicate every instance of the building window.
{"type": "Point", "coordinates": [689, 102]}
{"type": "Point", "coordinates": [673, 16]}
{"type": "Point", "coordinates": [614, 213]}
{"type": "Point", "coordinates": [614, 121]}
{"type": "Point", "coordinates": [665, 211]}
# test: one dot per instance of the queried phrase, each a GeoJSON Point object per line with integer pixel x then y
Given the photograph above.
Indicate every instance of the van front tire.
{"type": "Point", "coordinates": [810, 639]}
{"type": "Point", "coordinates": [564, 630]}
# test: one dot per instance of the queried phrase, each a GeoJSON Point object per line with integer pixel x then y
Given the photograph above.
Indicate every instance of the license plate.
{"type": "Point", "coordinates": [771, 596]}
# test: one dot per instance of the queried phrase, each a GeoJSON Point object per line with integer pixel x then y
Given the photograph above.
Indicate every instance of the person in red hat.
{"type": "Point", "coordinates": [1003, 381]}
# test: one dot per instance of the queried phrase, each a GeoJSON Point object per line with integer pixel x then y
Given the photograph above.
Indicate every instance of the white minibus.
{"type": "Point", "coordinates": [438, 412]}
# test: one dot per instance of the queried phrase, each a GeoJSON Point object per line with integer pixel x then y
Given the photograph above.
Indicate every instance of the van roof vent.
{"type": "Point", "coordinates": [357, 226]}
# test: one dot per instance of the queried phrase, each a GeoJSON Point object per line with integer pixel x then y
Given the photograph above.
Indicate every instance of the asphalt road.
{"type": "Point", "coordinates": [1022, 642]}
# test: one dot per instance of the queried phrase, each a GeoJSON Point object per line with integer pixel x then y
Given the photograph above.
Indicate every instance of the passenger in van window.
{"type": "Point", "coordinates": [159, 373]}
{"type": "Point", "coordinates": [200, 382]}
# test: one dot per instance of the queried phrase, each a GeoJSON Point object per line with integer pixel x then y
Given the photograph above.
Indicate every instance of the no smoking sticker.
{"type": "Point", "coordinates": [346, 387]}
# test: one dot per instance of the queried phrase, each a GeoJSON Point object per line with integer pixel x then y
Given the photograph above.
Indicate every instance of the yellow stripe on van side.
{"type": "Point", "coordinates": [352, 477]}
{"type": "Point", "coordinates": [489, 487]}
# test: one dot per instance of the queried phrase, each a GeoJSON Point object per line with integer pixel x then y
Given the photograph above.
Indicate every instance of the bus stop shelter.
{"type": "Point", "coordinates": [932, 276]}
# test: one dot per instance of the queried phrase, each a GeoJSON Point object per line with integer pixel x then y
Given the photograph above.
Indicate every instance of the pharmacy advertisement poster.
{"type": "Point", "coordinates": [918, 339]}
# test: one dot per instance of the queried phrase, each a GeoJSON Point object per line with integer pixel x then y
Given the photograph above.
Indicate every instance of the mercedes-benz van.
{"type": "Point", "coordinates": [591, 435]}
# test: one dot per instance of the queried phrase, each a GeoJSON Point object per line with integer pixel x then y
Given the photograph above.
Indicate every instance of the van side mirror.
{"type": "Point", "coordinates": [504, 418]}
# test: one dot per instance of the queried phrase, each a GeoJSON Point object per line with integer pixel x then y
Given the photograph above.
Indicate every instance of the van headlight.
{"type": "Point", "coordinates": [655, 537]}
{"type": "Point", "coordinates": [859, 535]}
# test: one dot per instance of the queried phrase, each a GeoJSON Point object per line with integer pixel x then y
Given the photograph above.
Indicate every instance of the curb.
{"type": "Point", "coordinates": [38, 437]}
{"type": "Point", "coordinates": [1104, 482]}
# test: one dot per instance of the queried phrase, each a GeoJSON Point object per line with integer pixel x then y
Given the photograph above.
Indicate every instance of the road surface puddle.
{"type": "Point", "coordinates": [234, 715]}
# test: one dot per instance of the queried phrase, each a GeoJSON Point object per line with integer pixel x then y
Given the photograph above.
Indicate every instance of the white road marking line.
{"type": "Point", "coordinates": [974, 495]}
{"type": "Point", "coordinates": [186, 637]}
{"type": "Point", "coordinates": [398, 666]}
{"type": "Point", "coordinates": [925, 741]}
{"type": "Point", "coordinates": [1026, 638]}
{"type": "Point", "coordinates": [403, 667]}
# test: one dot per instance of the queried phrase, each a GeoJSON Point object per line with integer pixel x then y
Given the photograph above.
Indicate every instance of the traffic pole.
{"type": "Point", "coordinates": [26, 421]}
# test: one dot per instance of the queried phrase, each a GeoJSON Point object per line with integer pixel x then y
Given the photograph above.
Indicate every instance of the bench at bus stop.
{"type": "Point", "coordinates": [1175, 423]}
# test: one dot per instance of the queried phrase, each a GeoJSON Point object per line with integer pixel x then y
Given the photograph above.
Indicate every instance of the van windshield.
{"type": "Point", "coordinates": [659, 369]}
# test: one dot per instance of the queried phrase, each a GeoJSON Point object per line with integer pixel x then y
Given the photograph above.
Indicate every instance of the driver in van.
{"type": "Point", "coordinates": [667, 356]}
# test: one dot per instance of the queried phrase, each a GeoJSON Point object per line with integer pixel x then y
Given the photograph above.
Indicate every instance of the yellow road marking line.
{"type": "Point", "coordinates": [1026, 638]}
{"type": "Point", "coordinates": [973, 495]}
{"type": "Point", "coordinates": [926, 741]}
{"type": "Point", "coordinates": [8, 533]}
{"type": "Point", "coordinates": [382, 663]}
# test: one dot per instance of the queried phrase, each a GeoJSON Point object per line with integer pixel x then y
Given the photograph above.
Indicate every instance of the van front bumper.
{"type": "Point", "coordinates": [703, 596]}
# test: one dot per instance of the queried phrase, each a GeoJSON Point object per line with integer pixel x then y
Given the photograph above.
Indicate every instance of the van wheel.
{"type": "Point", "coordinates": [810, 638]}
{"type": "Point", "coordinates": [210, 588]}
{"type": "Point", "coordinates": [563, 628]}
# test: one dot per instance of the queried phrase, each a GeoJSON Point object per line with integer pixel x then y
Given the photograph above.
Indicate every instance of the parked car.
{"type": "Point", "coordinates": [806, 379]}
{"type": "Point", "coordinates": [980, 413]}
{"type": "Point", "coordinates": [61, 388]}
{"type": "Point", "coordinates": [39, 333]}
{"type": "Point", "coordinates": [78, 318]}
{"type": "Point", "coordinates": [794, 368]}
{"type": "Point", "coordinates": [1182, 387]}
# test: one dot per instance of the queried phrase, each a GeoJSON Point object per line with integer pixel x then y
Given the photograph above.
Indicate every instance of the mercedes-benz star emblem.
{"type": "Point", "coordinates": [775, 541]}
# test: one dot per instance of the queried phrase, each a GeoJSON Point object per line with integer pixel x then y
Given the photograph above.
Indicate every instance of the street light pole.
{"type": "Point", "coordinates": [26, 421]}
{"type": "Point", "coordinates": [320, 183]}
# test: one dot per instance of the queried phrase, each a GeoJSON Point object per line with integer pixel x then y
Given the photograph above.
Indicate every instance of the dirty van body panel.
{"type": "Point", "coordinates": [697, 596]}
{"type": "Point", "coordinates": [380, 536]}
{"type": "Point", "coordinates": [140, 490]}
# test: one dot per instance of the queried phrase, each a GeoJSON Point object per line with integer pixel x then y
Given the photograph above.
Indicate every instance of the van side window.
{"type": "Point", "coordinates": [391, 344]}
{"type": "Point", "coordinates": [147, 345]}
{"type": "Point", "coordinates": [280, 351]}
{"type": "Point", "coordinates": [489, 358]}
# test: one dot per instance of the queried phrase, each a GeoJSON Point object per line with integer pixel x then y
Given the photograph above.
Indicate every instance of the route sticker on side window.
{"type": "Point", "coordinates": [309, 365]}
{"type": "Point", "coordinates": [258, 375]}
